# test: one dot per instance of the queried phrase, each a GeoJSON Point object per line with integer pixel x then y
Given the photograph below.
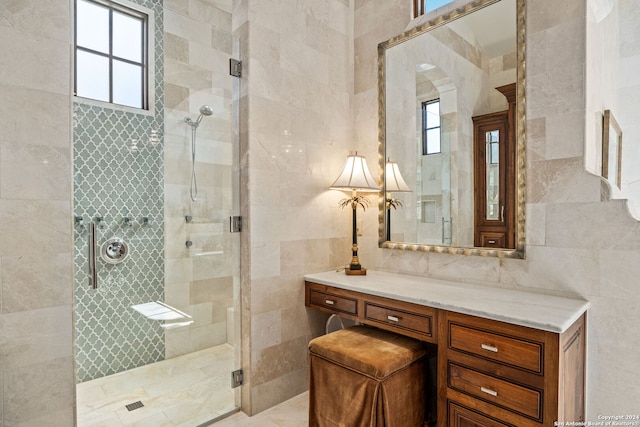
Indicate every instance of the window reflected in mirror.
{"type": "Point", "coordinates": [431, 127]}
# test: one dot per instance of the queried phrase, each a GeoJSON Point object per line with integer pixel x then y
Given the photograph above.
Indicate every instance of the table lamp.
{"type": "Point", "coordinates": [394, 183]}
{"type": "Point", "coordinates": [355, 177]}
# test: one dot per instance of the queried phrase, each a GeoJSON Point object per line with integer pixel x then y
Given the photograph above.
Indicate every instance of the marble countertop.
{"type": "Point", "coordinates": [539, 311]}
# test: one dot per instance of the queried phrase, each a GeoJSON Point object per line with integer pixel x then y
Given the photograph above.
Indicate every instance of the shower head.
{"type": "Point", "coordinates": [205, 110]}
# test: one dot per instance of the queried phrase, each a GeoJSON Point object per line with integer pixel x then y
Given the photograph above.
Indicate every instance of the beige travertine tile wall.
{"type": "Point", "coordinates": [36, 260]}
{"type": "Point", "coordinates": [576, 244]}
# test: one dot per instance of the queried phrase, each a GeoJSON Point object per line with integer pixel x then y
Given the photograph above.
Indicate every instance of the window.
{"type": "Point", "coordinates": [111, 53]}
{"type": "Point", "coordinates": [431, 127]}
{"type": "Point", "coordinates": [420, 7]}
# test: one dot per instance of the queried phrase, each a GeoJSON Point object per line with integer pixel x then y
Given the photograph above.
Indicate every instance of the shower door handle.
{"type": "Point", "coordinates": [93, 273]}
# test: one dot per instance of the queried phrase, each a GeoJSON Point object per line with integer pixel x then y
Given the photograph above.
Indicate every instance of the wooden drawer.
{"type": "Point", "coordinates": [500, 348]}
{"type": "Point", "coordinates": [516, 398]}
{"type": "Point", "coordinates": [334, 303]}
{"type": "Point", "coordinates": [420, 323]}
{"type": "Point", "coordinates": [493, 240]}
{"type": "Point", "coordinates": [460, 416]}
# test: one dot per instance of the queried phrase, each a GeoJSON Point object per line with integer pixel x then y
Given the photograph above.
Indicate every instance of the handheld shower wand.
{"type": "Point", "coordinates": [205, 110]}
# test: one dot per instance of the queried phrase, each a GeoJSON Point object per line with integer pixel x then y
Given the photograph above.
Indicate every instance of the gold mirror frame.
{"type": "Point", "coordinates": [519, 251]}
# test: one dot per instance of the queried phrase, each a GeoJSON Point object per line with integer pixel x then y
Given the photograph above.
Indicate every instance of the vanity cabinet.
{"type": "Point", "coordinates": [495, 373]}
{"type": "Point", "coordinates": [490, 373]}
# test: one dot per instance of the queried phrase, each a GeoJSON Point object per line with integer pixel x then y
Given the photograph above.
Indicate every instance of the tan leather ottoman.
{"type": "Point", "coordinates": [366, 377]}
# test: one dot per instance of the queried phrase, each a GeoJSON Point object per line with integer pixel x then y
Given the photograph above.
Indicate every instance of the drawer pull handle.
{"type": "Point", "coordinates": [489, 391]}
{"type": "Point", "coordinates": [393, 318]}
{"type": "Point", "coordinates": [329, 302]}
{"type": "Point", "coordinates": [489, 348]}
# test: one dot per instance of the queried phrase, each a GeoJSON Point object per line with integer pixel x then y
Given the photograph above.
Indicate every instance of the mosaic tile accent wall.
{"type": "Point", "coordinates": [118, 163]}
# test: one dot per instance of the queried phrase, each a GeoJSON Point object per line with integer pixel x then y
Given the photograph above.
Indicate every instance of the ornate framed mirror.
{"type": "Point", "coordinates": [451, 126]}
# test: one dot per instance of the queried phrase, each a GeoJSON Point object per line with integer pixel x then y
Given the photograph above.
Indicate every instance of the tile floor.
{"type": "Point", "coordinates": [292, 413]}
{"type": "Point", "coordinates": [185, 391]}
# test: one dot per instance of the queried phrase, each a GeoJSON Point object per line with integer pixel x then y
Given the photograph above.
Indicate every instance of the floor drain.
{"type": "Point", "coordinates": [134, 405]}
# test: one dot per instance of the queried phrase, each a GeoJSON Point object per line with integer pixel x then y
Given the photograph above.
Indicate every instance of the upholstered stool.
{"type": "Point", "coordinates": [366, 377]}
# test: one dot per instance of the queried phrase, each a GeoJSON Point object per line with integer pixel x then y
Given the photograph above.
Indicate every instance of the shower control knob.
{"type": "Point", "coordinates": [114, 251]}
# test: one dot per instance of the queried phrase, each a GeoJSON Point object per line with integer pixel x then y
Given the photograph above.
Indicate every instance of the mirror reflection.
{"type": "Point", "coordinates": [449, 128]}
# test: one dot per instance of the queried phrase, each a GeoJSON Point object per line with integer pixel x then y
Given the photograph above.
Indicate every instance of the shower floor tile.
{"type": "Point", "coordinates": [184, 391]}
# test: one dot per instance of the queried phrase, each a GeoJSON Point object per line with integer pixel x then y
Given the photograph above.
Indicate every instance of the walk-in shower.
{"type": "Point", "coordinates": [157, 321]}
{"type": "Point", "coordinates": [205, 110]}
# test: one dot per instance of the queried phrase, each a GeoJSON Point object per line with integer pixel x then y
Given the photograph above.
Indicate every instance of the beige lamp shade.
{"type": "Point", "coordinates": [394, 179]}
{"type": "Point", "coordinates": [355, 176]}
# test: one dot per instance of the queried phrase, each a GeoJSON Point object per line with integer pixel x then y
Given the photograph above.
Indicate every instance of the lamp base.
{"type": "Point", "coordinates": [361, 272]}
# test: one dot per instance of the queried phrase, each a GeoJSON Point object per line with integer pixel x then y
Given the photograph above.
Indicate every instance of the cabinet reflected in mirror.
{"type": "Point", "coordinates": [494, 181]}
{"type": "Point", "coordinates": [434, 80]}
